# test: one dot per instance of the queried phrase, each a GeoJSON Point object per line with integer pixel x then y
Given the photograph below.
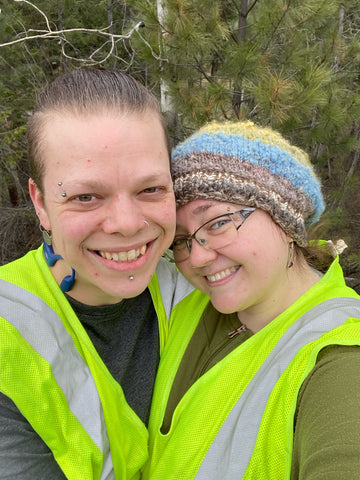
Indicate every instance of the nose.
{"type": "Point", "coordinates": [124, 216]}
{"type": "Point", "coordinates": [200, 256]}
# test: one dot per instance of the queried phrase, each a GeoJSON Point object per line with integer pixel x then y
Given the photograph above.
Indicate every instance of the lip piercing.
{"type": "Point", "coordinates": [59, 183]}
{"type": "Point", "coordinates": [131, 277]}
{"type": "Point", "coordinates": [146, 223]}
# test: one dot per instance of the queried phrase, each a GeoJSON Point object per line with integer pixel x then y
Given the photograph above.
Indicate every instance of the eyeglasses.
{"type": "Point", "coordinates": [216, 233]}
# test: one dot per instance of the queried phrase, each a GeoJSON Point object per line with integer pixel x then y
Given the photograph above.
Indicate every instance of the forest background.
{"type": "Point", "coordinates": [293, 65]}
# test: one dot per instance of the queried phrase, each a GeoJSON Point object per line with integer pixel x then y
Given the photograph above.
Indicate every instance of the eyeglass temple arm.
{"type": "Point", "coordinates": [244, 216]}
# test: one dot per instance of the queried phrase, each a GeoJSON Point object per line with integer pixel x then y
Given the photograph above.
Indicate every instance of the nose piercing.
{"type": "Point", "coordinates": [146, 223]}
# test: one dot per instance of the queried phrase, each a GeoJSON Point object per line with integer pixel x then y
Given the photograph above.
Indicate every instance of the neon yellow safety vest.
{"type": "Point", "coordinates": [53, 373]}
{"type": "Point", "coordinates": [236, 421]}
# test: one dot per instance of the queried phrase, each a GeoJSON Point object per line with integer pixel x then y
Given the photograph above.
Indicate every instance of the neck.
{"type": "Point", "coordinates": [299, 280]}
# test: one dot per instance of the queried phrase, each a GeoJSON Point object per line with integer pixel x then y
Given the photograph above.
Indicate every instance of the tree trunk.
{"type": "Point", "coordinates": [63, 60]}
{"type": "Point", "coordinates": [167, 106]}
{"type": "Point", "coordinates": [238, 96]}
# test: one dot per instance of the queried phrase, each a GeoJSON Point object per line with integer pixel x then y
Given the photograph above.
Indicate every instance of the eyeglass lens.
{"type": "Point", "coordinates": [214, 234]}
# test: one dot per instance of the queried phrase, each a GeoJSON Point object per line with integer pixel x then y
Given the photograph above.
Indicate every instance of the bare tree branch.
{"type": "Point", "coordinates": [110, 42]}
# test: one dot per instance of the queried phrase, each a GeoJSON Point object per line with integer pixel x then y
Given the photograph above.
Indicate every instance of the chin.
{"type": "Point", "coordinates": [226, 311]}
{"type": "Point", "coordinates": [223, 308]}
{"type": "Point", "coordinates": [224, 305]}
{"type": "Point", "coordinates": [132, 288]}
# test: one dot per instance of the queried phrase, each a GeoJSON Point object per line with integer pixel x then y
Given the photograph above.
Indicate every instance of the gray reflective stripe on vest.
{"type": "Point", "coordinates": [231, 450]}
{"type": "Point", "coordinates": [41, 327]}
{"type": "Point", "coordinates": [173, 286]}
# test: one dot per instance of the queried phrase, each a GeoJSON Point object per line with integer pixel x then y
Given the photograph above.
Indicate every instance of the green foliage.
{"type": "Point", "coordinates": [293, 65]}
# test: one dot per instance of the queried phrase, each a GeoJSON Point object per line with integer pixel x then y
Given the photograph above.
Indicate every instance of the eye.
{"type": "Point", "coordinates": [85, 197]}
{"type": "Point", "coordinates": [179, 243]}
{"type": "Point", "coordinates": [220, 222]}
{"type": "Point", "coordinates": [152, 189]}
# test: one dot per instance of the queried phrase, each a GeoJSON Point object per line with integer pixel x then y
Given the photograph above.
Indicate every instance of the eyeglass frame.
{"type": "Point", "coordinates": [189, 238]}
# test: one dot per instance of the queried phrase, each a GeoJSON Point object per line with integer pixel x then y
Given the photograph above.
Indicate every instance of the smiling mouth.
{"type": "Point", "coordinates": [223, 274]}
{"type": "Point", "coordinates": [129, 256]}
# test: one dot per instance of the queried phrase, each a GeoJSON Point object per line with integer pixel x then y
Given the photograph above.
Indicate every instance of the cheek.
{"type": "Point", "coordinates": [71, 230]}
{"type": "Point", "coordinates": [169, 207]}
{"type": "Point", "coordinates": [75, 225]}
{"type": "Point", "coordinates": [187, 271]}
{"type": "Point", "coordinates": [74, 230]}
{"type": "Point", "coordinates": [169, 215]}
{"type": "Point", "coordinates": [269, 261]}
{"type": "Point", "coordinates": [166, 215]}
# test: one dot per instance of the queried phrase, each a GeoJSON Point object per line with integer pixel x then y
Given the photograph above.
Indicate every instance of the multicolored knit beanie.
{"type": "Point", "coordinates": [248, 165]}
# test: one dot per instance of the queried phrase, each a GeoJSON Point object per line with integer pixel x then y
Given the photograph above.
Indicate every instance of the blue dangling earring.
{"type": "Point", "coordinates": [51, 258]}
{"type": "Point", "coordinates": [68, 282]}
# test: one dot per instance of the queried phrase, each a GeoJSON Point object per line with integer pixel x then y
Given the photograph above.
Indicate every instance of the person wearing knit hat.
{"type": "Point", "coordinates": [259, 376]}
{"type": "Point", "coordinates": [242, 163]}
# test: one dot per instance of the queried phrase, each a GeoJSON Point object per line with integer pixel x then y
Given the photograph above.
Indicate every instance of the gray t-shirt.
{"type": "Point", "coordinates": [126, 336]}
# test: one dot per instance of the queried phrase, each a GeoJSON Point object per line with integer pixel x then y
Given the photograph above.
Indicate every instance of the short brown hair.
{"type": "Point", "coordinates": [86, 91]}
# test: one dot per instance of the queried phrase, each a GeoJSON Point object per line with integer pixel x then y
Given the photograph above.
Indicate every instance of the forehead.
{"type": "Point", "coordinates": [100, 127]}
{"type": "Point", "coordinates": [89, 145]}
{"type": "Point", "coordinates": [195, 213]}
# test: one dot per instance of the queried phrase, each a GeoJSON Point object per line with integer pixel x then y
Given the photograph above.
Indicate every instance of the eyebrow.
{"type": "Point", "coordinates": [198, 210]}
{"type": "Point", "coordinates": [83, 183]}
{"type": "Point", "coordinates": [93, 184]}
{"type": "Point", "coordinates": [202, 208]}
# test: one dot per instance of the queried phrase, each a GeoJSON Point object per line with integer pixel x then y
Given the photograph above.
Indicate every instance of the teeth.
{"type": "Point", "coordinates": [132, 254]}
{"type": "Point", "coordinates": [220, 275]}
{"type": "Point", "coordinates": [124, 256]}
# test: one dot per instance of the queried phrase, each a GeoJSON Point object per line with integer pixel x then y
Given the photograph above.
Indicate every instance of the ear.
{"type": "Point", "coordinates": [38, 202]}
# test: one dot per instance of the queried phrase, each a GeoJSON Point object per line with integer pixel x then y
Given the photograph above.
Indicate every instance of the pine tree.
{"type": "Point", "coordinates": [290, 64]}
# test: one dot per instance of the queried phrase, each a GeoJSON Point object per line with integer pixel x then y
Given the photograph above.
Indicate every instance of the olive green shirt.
{"type": "Point", "coordinates": [327, 417]}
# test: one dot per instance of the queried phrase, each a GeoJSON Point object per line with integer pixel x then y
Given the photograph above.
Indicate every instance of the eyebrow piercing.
{"type": "Point", "coordinates": [63, 193]}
